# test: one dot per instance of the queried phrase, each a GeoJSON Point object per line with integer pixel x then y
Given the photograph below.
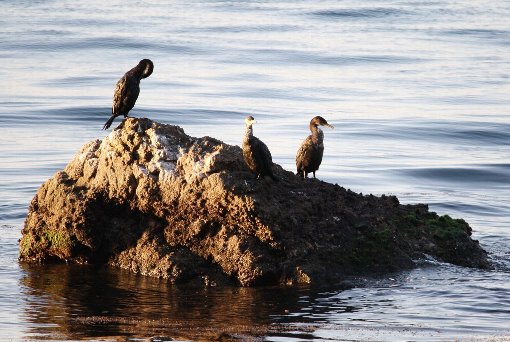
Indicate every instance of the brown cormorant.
{"type": "Point", "coordinates": [127, 90]}
{"type": "Point", "coordinates": [309, 155]}
{"type": "Point", "coordinates": [255, 152]}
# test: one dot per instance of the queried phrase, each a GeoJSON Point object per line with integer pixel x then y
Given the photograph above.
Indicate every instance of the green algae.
{"type": "Point", "coordinates": [55, 243]}
{"type": "Point", "coordinates": [446, 228]}
{"type": "Point", "coordinates": [443, 228]}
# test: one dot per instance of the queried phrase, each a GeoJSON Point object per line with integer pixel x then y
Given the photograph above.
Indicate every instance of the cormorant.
{"type": "Point", "coordinates": [127, 90]}
{"type": "Point", "coordinates": [309, 155]}
{"type": "Point", "coordinates": [255, 152]}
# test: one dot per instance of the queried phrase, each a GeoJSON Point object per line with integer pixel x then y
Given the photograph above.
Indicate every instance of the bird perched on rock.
{"type": "Point", "coordinates": [255, 152]}
{"type": "Point", "coordinates": [127, 90]}
{"type": "Point", "coordinates": [309, 154]}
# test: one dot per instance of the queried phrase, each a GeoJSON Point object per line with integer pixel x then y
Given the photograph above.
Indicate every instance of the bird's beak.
{"type": "Point", "coordinates": [330, 126]}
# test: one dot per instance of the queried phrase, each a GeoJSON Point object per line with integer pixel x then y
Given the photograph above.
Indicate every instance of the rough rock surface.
{"type": "Point", "coordinates": [153, 200]}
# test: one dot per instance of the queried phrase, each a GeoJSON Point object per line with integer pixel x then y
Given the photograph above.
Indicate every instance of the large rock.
{"type": "Point", "coordinates": [153, 200]}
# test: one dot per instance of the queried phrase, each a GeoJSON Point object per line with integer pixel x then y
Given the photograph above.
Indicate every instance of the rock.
{"type": "Point", "coordinates": [153, 200]}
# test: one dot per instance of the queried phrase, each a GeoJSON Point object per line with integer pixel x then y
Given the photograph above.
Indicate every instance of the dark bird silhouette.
{"type": "Point", "coordinates": [309, 154]}
{"type": "Point", "coordinates": [255, 152]}
{"type": "Point", "coordinates": [127, 90]}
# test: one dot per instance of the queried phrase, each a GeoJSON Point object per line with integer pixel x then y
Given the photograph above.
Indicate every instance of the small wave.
{"type": "Point", "coordinates": [487, 175]}
{"type": "Point", "coordinates": [97, 116]}
{"type": "Point", "coordinates": [202, 116]}
{"type": "Point", "coordinates": [105, 43]}
{"type": "Point", "coordinates": [360, 13]}
{"type": "Point", "coordinates": [466, 133]}
{"type": "Point", "coordinates": [493, 136]}
{"type": "Point", "coordinates": [465, 208]}
{"type": "Point", "coordinates": [286, 56]}
{"type": "Point", "coordinates": [480, 36]}
{"type": "Point", "coordinates": [485, 134]}
{"type": "Point", "coordinates": [480, 33]}
{"type": "Point", "coordinates": [11, 212]}
{"type": "Point", "coordinates": [230, 29]}
{"type": "Point", "coordinates": [56, 115]}
{"type": "Point", "coordinates": [73, 81]}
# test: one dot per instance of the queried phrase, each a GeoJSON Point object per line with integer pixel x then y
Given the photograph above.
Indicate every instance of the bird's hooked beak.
{"type": "Point", "coordinates": [330, 126]}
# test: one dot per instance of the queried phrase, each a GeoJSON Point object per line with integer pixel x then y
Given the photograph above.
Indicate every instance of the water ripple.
{"type": "Point", "coordinates": [365, 12]}
{"type": "Point", "coordinates": [95, 43]}
{"type": "Point", "coordinates": [462, 174]}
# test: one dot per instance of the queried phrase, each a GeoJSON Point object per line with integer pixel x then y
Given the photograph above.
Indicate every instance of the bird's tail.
{"type": "Point", "coordinates": [109, 122]}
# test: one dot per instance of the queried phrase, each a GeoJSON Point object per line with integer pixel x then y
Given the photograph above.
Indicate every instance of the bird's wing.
{"type": "Point", "coordinates": [304, 153]}
{"type": "Point", "coordinates": [317, 156]}
{"type": "Point", "coordinates": [125, 96]}
{"type": "Point", "coordinates": [117, 96]}
{"type": "Point", "coordinates": [262, 155]}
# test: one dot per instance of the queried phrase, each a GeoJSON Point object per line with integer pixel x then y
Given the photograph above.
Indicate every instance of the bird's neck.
{"type": "Point", "coordinates": [248, 133]}
{"type": "Point", "coordinates": [317, 135]}
{"type": "Point", "coordinates": [136, 72]}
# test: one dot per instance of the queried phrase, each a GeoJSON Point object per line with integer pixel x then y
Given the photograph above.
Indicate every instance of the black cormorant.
{"type": "Point", "coordinates": [127, 90]}
{"type": "Point", "coordinates": [309, 155]}
{"type": "Point", "coordinates": [255, 152]}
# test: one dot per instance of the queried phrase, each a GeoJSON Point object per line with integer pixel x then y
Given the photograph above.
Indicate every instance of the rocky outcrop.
{"type": "Point", "coordinates": [153, 200]}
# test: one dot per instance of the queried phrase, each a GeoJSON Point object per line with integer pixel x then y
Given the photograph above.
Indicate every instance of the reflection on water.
{"type": "Point", "coordinates": [72, 301]}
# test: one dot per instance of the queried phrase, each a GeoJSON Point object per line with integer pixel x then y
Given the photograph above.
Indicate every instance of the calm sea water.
{"type": "Point", "coordinates": [418, 92]}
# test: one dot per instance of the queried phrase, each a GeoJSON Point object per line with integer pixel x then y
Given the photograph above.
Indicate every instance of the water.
{"type": "Point", "coordinates": [417, 91]}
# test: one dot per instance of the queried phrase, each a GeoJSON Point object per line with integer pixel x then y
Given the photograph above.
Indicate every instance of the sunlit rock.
{"type": "Point", "coordinates": [153, 200]}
